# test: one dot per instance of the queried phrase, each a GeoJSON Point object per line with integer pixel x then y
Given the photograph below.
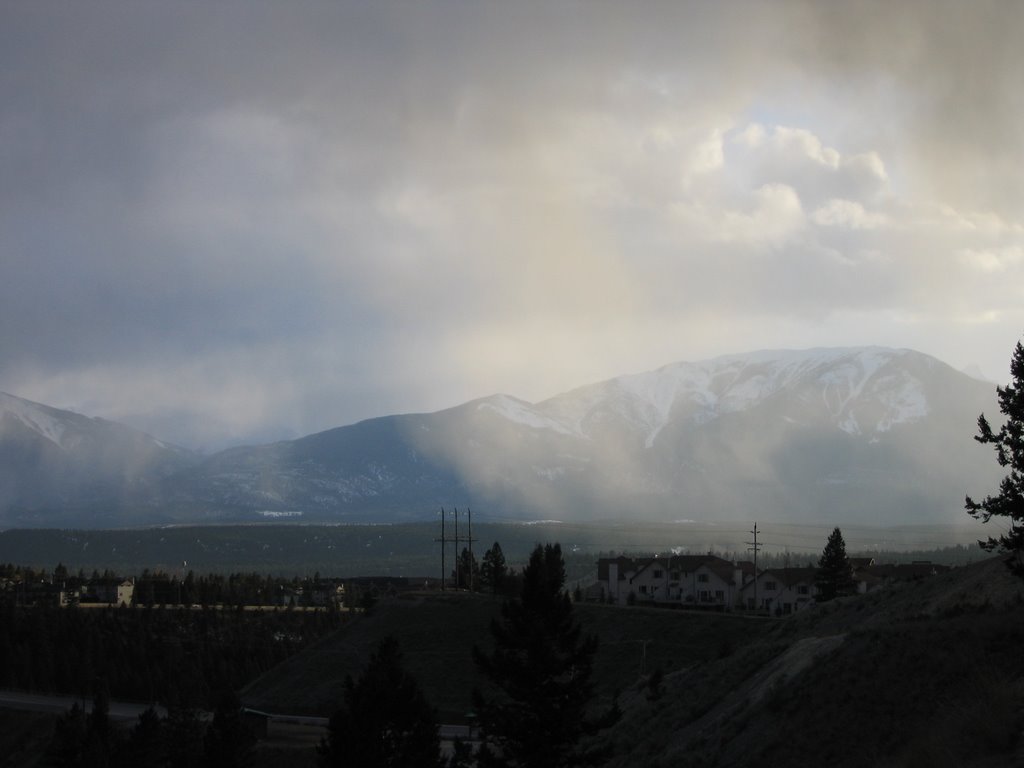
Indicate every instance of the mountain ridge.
{"type": "Point", "coordinates": [867, 433]}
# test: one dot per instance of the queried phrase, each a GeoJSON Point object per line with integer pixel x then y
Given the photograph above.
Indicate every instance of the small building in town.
{"type": "Point", "coordinates": [113, 591]}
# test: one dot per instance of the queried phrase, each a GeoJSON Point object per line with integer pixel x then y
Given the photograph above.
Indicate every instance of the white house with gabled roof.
{"type": "Point", "coordinates": [697, 581]}
{"type": "Point", "coordinates": [781, 590]}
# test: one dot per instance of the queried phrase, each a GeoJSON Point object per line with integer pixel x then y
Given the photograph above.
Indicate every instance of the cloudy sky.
{"type": "Point", "coordinates": [237, 221]}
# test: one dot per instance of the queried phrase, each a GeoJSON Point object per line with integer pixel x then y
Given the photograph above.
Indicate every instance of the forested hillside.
{"type": "Point", "coordinates": [149, 654]}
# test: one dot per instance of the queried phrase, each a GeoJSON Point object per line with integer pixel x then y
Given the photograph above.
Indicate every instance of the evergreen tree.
{"type": "Point", "coordinates": [183, 728]}
{"type": "Point", "coordinates": [540, 667]}
{"type": "Point", "coordinates": [100, 737]}
{"type": "Point", "coordinates": [1009, 444]}
{"type": "Point", "coordinates": [67, 747]}
{"type": "Point", "coordinates": [384, 721]}
{"type": "Point", "coordinates": [835, 575]}
{"type": "Point", "coordinates": [468, 571]}
{"type": "Point", "coordinates": [146, 744]}
{"type": "Point", "coordinates": [84, 741]}
{"type": "Point", "coordinates": [493, 570]}
{"type": "Point", "coordinates": [228, 741]}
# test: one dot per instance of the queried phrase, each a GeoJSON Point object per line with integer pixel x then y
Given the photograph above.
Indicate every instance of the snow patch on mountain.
{"type": "Point", "coordinates": [904, 400]}
{"type": "Point", "coordinates": [654, 394]}
{"type": "Point", "coordinates": [842, 378]}
{"type": "Point", "coordinates": [33, 416]}
{"type": "Point", "coordinates": [521, 412]}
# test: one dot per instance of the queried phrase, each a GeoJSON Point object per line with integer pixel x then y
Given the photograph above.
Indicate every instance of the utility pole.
{"type": "Point", "coordinates": [443, 541]}
{"type": "Point", "coordinates": [754, 547]}
{"type": "Point", "coordinates": [469, 540]}
{"type": "Point", "coordinates": [456, 540]}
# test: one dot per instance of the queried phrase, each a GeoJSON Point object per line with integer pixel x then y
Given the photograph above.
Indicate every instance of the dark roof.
{"type": "Point", "coordinates": [686, 564]}
{"type": "Point", "coordinates": [624, 563]}
{"type": "Point", "coordinates": [747, 567]}
{"type": "Point", "coordinates": [790, 576]}
{"type": "Point", "coordinates": [110, 582]}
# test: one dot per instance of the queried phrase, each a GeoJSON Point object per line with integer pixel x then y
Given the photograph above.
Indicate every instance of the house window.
{"type": "Point", "coordinates": [675, 575]}
{"type": "Point", "coordinates": [657, 573]}
{"type": "Point", "coordinates": [643, 589]}
{"type": "Point", "coordinates": [802, 589]}
{"type": "Point", "coordinates": [771, 585]}
{"type": "Point", "coordinates": [702, 578]}
{"type": "Point", "coordinates": [720, 595]}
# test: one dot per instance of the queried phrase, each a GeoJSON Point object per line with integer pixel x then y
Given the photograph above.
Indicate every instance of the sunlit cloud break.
{"type": "Point", "coordinates": [238, 223]}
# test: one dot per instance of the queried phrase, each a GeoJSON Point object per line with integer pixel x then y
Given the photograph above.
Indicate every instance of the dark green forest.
{"type": "Point", "coordinates": [410, 550]}
{"type": "Point", "coordinates": [149, 654]}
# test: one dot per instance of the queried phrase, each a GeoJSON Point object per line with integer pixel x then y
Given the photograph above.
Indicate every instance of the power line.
{"type": "Point", "coordinates": [455, 541]}
{"type": "Point", "coordinates": [754, 547]}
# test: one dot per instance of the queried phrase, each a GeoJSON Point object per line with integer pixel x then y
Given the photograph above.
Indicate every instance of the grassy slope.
{"type": "Point", "coordinates": [930, 673]}
{"type": "Point", "coordinates": [24, 737]}
{"type": "Point", "coordinates": [438, 631]}
{"type": "Point", "coordinates": [927, 673]}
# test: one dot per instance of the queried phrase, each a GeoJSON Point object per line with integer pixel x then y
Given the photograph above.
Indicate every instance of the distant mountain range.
{"type": "Point", "coordinates": [856, 436]}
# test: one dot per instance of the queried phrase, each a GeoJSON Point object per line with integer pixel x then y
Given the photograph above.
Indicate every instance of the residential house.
{"type": "Point", "coordinates": [863, 575]}
{"type": "Point", "coordinates": [696, 581]}
{"type": "Point", "coordinates": [780, 590]}
{"type": "Point", "coordinates": [324, 593]}
{"type": "Point", "coordinates": [112, 591]}
{"type": "Point", "coordinates": [289, 596]}
{"type": "Point", "coordinates": [613, 575]}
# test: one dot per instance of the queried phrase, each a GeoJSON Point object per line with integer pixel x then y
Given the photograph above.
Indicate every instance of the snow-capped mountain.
{"type": "Point", "coordinates": [845, 380]}
{"type": "Point", "coordinates": [57, 464]}
{"type": "Point", "coordinates": [868, 435]}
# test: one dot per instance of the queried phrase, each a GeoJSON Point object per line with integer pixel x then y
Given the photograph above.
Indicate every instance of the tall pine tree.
{"type": "Point", "coordinates": [467, 575]}
{"type": "Point", "coordinates": [835, 575]}
{"type": "Point", "coordinates": [540, 671]}
{"type": "Point", "coordinates": [384, 721]}
{"type": "Point", "coordinates": [1009, 444]}
{"type": "Point", "coordinates": [493, 569]}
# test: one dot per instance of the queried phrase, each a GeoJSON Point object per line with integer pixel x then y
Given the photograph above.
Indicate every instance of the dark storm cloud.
{"type": "Point", "coordinates": [301, 215]}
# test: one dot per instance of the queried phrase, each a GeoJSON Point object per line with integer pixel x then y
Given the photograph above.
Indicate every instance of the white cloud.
{"type": "Point", "coordinates": [798, 142]}
{"type": "Point", "coordinates": [847, 214]}
{"type": "Point", "coordinates": [776, 215]}
{"type": "Point", "coordinates": [994, 260]}
{"type": "Point", "coordinates": [708, 155]}
{"type": "Point", "coordinates": [799, 158]}
{"type": "Point", "coordinates": [752, 136]}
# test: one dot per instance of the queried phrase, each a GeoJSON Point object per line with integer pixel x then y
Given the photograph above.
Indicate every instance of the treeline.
{"type": "Point", "coordinates": [18, 583]}
{"type": "Point", "coordinates": [397, 550]}
{"type": "Point", "coordinates": [233, 589]}
{"type": "Point", "coordinates": [952, 555]}
{"type": "Point", "coordinates": [491, 574]}
{"type": "Point", "coordinates": [149, 654]}
{"type": "Point", "coordinates": [182, 739]}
